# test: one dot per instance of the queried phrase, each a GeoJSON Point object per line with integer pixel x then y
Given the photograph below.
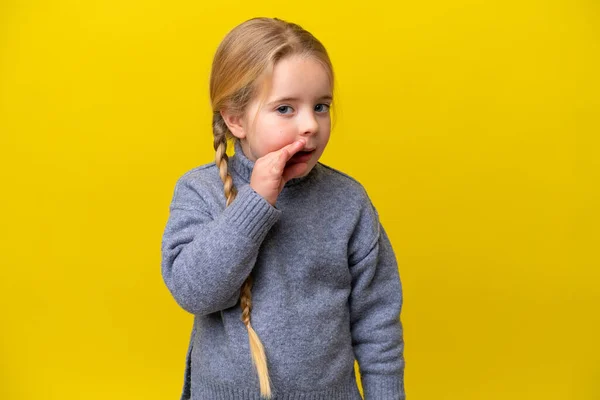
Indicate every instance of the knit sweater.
{"type": "Point", "coordinates": [326, 286]}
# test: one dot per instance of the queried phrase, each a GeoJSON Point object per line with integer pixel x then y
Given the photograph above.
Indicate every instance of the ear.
{"type": "Point", "coordinates": [235, 123]}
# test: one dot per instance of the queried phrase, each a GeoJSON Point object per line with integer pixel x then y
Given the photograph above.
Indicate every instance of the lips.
{"type": "Point", "coordinates": [301, 156]}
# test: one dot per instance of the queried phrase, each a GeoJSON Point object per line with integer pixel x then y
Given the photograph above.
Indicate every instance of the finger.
{"type": "Point", "coordinates": [288, 151]}
{"type": "Point", "coordinates": [283, 155]}
{"type": "Point", "coordinates": [276, 156]}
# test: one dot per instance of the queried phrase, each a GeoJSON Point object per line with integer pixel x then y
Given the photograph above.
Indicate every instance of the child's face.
{"type": "Point", "coordinates": [297, 106]}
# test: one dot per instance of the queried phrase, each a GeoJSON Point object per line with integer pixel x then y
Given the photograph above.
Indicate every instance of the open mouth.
{"type": "Point", "coordinates": [301, 156]}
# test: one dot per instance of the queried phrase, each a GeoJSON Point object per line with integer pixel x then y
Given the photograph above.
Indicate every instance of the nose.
{"type": "Point", "coordinates": [308, 123]}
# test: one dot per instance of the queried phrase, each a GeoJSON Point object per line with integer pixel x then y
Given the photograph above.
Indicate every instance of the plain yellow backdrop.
{"type": "Point", "coordinates": [473, 125]}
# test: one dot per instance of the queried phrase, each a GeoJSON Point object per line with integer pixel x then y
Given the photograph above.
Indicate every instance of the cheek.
{"type": "Point", "coordinates": [326, 122]}
{"type": "Point", "coordinates": [277, 133]}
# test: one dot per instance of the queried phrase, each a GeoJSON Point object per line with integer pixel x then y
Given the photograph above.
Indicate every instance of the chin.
{"type": "Point", "coordinates": [307, 171]}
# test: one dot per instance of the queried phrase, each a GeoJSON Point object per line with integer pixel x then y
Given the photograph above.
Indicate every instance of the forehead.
{"type": "Point", "coordinates": [299, 77]}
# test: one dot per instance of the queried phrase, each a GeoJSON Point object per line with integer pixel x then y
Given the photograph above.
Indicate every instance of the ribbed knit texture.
{"type": "Point", "coordinates": [326, 287]}
{"type": "Point", "coordinates": [216, 391]}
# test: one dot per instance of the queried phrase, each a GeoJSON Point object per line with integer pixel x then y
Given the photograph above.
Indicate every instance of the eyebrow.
{"type": "Point", "coordinates": [290, 99]}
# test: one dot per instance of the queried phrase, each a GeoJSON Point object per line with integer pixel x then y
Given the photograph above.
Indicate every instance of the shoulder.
{"type": "Point", "coordinates": [343, 187]}
{"type": "Point", "coordinates": [204, 173]}
{"type": "Point", "coordinates": [351, 196]}
{"type": "Point", "coordinates": [197, 187]}
{"type": "Point", "coordinates": [343, 177]}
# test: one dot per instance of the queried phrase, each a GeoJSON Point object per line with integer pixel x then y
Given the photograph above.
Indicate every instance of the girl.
{"type": "Point", "coordinates": [298, 243]}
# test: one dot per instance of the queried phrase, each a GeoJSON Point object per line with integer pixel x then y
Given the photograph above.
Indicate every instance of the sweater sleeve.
{"type": "Point", "coordinates": [375, 306]}
{"type": "Point", "coordinates": [206, 259]}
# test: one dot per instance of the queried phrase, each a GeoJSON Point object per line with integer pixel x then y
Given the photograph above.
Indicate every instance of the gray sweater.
{"type": "Point", "coordinates": [326, 287]}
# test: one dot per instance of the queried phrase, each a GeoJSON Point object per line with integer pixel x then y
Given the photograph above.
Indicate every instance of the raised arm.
{"type": "Point", "coordinates": [207, 258]}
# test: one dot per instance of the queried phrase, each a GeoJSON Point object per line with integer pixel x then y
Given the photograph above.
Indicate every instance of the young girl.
{"type": "Point", "coordinates": [273, 237]}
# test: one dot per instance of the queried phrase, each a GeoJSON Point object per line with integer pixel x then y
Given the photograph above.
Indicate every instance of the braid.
{"type": "Point", "coordinates": [220, 131]}
{"type": "Point", "coordinates": [257, 350]}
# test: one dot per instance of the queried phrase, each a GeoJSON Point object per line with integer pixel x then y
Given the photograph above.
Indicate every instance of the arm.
{"type": "Point", "coordinates": [205, 261]}
{"type": "Point", "coordinates": [375, 305]}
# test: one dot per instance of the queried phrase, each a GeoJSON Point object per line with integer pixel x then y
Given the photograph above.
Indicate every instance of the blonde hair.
{"type": "Point", "coordinates": [244, 59]}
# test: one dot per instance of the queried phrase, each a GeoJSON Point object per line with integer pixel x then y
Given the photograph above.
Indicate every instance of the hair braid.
{"type": "Point", "coordinates": [221, 159]}
{"type": "Point", "coordinates": [221, 133]}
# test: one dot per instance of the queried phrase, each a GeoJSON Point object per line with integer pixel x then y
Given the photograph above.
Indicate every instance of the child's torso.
{"type": "Point", "coordinates": [299, 298]}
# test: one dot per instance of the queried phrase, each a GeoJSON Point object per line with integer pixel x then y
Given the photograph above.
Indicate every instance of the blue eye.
{"type": "Point", "coordinates": [283, 109]}
{"type": "Point", "coordinates": [322, 108]}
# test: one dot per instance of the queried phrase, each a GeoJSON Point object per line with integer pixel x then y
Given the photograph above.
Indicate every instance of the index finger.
{"type": "Point", "coordinates": [288, 151]}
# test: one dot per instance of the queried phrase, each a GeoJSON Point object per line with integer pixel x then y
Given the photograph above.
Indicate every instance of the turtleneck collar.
{"type": "Point", "coordinates": [243, 167]}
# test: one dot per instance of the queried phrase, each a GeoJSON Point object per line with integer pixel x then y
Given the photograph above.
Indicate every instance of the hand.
{"type": "Point", "coordinates": [270, 172]}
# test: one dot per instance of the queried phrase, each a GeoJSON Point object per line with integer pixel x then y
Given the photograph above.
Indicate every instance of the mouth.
{"type": "Point", "coordinates": [301, 156]}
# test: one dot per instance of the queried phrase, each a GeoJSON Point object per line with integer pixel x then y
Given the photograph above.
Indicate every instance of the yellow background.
{"type": "Point", "coordinates": [473, 125]}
